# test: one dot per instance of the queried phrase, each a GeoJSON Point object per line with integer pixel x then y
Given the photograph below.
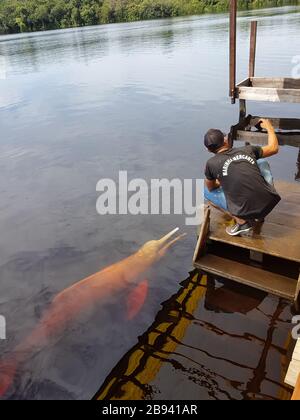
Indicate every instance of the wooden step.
{"type": "Point", "coordinates": [258, 278]}
{"type": "Point", "coordinates": [279, 240]}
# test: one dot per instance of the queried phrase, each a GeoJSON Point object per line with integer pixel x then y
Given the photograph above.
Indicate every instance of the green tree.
{"type": "Point", "coordinates": [41, 16]}
{"type": "Point", "coordinates": [32, 15]}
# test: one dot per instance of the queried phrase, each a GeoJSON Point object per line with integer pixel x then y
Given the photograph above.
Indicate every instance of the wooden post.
{"type": "Point", "coordinates": [232, 64]}
{"type": "Point", "coordinates": [243, 110]}
{"type": "Point", "coordinates": [297, 296]}
{"type": "Point", "coordinates": [252, 57]}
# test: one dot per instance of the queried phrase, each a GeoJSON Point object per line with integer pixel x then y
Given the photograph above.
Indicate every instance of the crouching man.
{"type": "Point", "coordinates": [239, 180]}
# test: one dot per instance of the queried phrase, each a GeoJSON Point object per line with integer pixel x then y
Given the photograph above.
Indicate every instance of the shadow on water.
{"type": "Point", "coordinates": [203, 344]}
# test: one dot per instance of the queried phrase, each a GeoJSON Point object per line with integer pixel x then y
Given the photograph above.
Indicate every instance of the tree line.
{"type": "Point", "coordinates": [35, 15]}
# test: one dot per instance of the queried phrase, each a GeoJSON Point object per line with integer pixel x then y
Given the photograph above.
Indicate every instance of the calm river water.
{"type": "Point", "coordinates": [80, 105]}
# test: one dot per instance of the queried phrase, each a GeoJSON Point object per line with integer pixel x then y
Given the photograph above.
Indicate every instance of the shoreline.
{"type": "Point", "coordinates": [205, 13]}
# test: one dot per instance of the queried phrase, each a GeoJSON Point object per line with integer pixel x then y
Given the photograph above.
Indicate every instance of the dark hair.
{"type": "Point", "coordinates": [214, 140]}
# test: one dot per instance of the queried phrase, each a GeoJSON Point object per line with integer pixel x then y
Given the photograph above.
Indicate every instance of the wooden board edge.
{"type": "Point", "coordinates": [260, 81]}
{"type": "Point", "coordinates": [296, 394]}
{"type": "Point", "coordinates": [203, 235]}
{"type": "Point", "coordinates": [243, 282]}
{"type": "Point", "coordinates": [268, 94]}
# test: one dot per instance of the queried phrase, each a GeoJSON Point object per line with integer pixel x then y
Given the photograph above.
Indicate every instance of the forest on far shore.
{"type": "Point", "coordinates": [36, 15]}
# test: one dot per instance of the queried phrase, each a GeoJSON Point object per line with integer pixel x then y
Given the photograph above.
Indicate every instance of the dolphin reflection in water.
{"type": "Point", "coordinates": [68, 304]}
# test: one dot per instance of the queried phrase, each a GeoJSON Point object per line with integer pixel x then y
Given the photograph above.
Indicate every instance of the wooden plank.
{"type": "Point", "coordinates": [296, 354]}
{"type": "Point", "coordinates": [269, 94]}
{"type": "Point", "coordinates": [202, 235]}
{"type": "Point", "coordinates": [293, 373]}
{"type": "Point", "coordinates": [261, 138]}
{"type": "Point", "coordinates": [275, 82]}
{"type": "Point", "coordinates": [294, 368]}
{"type": "Point", "coordinates": [285, 218]}
{"type": "Point", "coordinates": [251, 276]}
{"type": "Point", "coordinates": [272, 239]}
{"type": "Point", "coordinates": [280, 235]}
{"type": "Point", "coordinates": [252, 56]}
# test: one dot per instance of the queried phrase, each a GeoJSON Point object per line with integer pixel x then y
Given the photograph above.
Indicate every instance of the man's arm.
{"type": "Point", "coordinates": [212, 185]}
{"type": "Point", "coordinates": [273, 146]}
{"type": "Point", "coordinates": [211, 182]}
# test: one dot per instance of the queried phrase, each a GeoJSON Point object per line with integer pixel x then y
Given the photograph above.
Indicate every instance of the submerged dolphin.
{"type": "Point", "coordinates": [68, 304]}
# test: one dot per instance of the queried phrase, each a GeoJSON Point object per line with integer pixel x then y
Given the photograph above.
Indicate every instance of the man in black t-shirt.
{"type": "Point", "coordinates": [239, 180]}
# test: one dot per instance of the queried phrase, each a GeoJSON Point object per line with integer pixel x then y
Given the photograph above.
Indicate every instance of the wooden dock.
{"type": "Point", "coordinates": [268, 259]}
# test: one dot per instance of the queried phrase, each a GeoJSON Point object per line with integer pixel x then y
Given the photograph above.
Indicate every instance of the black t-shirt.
{"type": "Point", "coordinates": [248, 195]}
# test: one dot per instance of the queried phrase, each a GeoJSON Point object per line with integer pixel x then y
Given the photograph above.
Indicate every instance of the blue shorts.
{"type": "Point", "coordinates": [217, 196]}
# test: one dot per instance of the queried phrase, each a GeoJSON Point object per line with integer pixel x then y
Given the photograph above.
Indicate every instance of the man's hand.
{"type": "Point", "coordinates": [213, 185]}
{"type": "Point", "coordinates": [266, 124]}
{"type": "Point", "coordinates": [273, 146]}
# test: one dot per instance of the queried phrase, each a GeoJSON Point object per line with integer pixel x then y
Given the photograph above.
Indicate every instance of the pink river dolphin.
{"type": "Point", "coordinates": [68, 304]}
